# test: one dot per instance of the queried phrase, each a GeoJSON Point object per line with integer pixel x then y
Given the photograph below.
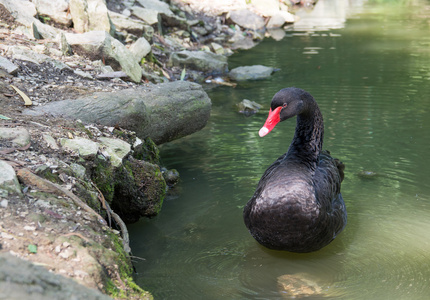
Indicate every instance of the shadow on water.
{"type": "Point", "coordinates": [371, 81]}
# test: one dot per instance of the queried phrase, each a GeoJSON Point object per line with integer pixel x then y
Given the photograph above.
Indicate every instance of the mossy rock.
{"type": "Point", "coordinates": [102, 174]}
{"type": "Point", "coordinates": [150, 181]}
{"type": "Point", "coordinates": [147, 151]}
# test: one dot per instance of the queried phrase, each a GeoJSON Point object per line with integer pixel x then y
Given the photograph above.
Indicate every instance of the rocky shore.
{"type": "Point", "coordinates": [88, 90]}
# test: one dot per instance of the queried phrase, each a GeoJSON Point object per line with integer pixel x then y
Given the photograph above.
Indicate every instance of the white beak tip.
{"type": "Point", "coordinates": [263, 131]}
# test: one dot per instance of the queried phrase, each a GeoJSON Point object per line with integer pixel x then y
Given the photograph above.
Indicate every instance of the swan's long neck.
{"type": "Point", "coordinates": [308, 138]}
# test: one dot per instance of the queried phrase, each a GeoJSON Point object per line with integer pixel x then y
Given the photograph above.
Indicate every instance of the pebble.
{"type": "Point", "coordinates": [4, 203]}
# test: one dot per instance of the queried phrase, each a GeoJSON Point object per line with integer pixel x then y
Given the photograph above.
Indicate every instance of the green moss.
{"type": "Point", "coordinates": [147, 151]}
{"type": "Point", "coordinates": [103, 176]}
{"type": "Point", "coordinates": [86, 192]}
{"type": "Point", "coordinates": [132, 291]}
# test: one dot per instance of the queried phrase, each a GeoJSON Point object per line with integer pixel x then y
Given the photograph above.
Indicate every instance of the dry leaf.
{"type": "Point", "coordinates": [70, 135]}
{"type": "Point", "coordinates": [27, 101]}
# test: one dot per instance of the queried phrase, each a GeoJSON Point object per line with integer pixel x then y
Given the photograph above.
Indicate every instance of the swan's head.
{"type": "Point", "coordinates": [286, 104]}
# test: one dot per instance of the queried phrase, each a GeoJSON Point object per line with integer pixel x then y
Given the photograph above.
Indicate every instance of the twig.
{"type": "Point", "coordinates": [118, 220]}
{"type": "Point", "coordinates": [103, 201]}
{"type": "Point", "coordinates": [124, 231]}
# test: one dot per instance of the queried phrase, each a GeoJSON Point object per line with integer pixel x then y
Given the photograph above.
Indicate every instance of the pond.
{"type": "Point", "coordinates": [368, 67]}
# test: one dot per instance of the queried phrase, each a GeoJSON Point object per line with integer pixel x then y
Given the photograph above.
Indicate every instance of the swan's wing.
{"type": "Point", "coordinates": [327, 180]}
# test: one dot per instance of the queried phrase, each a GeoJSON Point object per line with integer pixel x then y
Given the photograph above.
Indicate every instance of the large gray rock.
{"type": "Point", "coordinates": [199, 60]}
{"type": "Point", "coordinates": [250, 73]}
{"type": "Point", "coordinates": [57, 10]}
{"type": "Point", "coordinates": [101, 45]}
{"type": "Point", "coordinates": [21, 279]}
{"type": "Point", "coordinates": [163, 112]}
{"type": "Point", "coordinates": [247, 19]}
{"type": "Point", "coordinates": [91, 15]}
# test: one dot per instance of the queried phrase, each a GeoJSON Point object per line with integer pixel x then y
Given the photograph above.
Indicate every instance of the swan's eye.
{"type": "Point", "coordinates": [284, 105]}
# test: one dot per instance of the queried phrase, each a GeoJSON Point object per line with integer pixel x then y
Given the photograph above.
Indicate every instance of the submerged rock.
{"type": "Point", "coordinates": [248, 107]}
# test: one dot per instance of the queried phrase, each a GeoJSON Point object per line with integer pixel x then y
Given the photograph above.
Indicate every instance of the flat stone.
{"type": "Point", "coordinates": [50, 141]}
{"type": "Point", "coordinates": [8, 180]}
{"type": "Point", "coordinates": [200, 60]}
{"type": "Point", "coordinates": [117, 149]}
{"type": "Point", "coordinates": [160, 6]}
{"type": "Point", "coordinates": [85, 147]}
{"type": "Point", "coordinates": [8, 66]}
{"type": "Point", "coordinates": [129, 25]}
{"type": "Point", "coordinates": [150, 16]}
{"type": "Point", "coordinates": [18, 136]}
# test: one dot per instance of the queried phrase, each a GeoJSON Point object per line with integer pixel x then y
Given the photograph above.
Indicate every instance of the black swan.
{"type": "Point", "coordinates": [298, 206]}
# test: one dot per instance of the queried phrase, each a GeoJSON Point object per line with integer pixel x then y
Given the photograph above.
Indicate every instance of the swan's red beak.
{"type": "Point", "coordinates": [271, 121]}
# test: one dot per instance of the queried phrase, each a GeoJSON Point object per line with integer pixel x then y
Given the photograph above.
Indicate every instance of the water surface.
{"type": "Point", "coordinates": [370, 73]}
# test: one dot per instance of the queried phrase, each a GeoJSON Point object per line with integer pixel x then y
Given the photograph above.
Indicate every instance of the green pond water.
{"type": "Point", "coordinates": [369, 70]}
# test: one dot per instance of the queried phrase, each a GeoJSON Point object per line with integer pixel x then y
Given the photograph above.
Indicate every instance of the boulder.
{"type": "Point", "coordinates": [247, 19]}
{"type": "Point", "coordinates": [91, 15]}
{"type": "Point", "coordinates": [250, 73]}
{"type": "Point", "coordinates": [101, 45]}
{"type": "Point", "coordinates": [200, 60]}
{"type": "Point", "coordinates": [163, 112]}
{"type": "Point", "coordinates": [56, 10]}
